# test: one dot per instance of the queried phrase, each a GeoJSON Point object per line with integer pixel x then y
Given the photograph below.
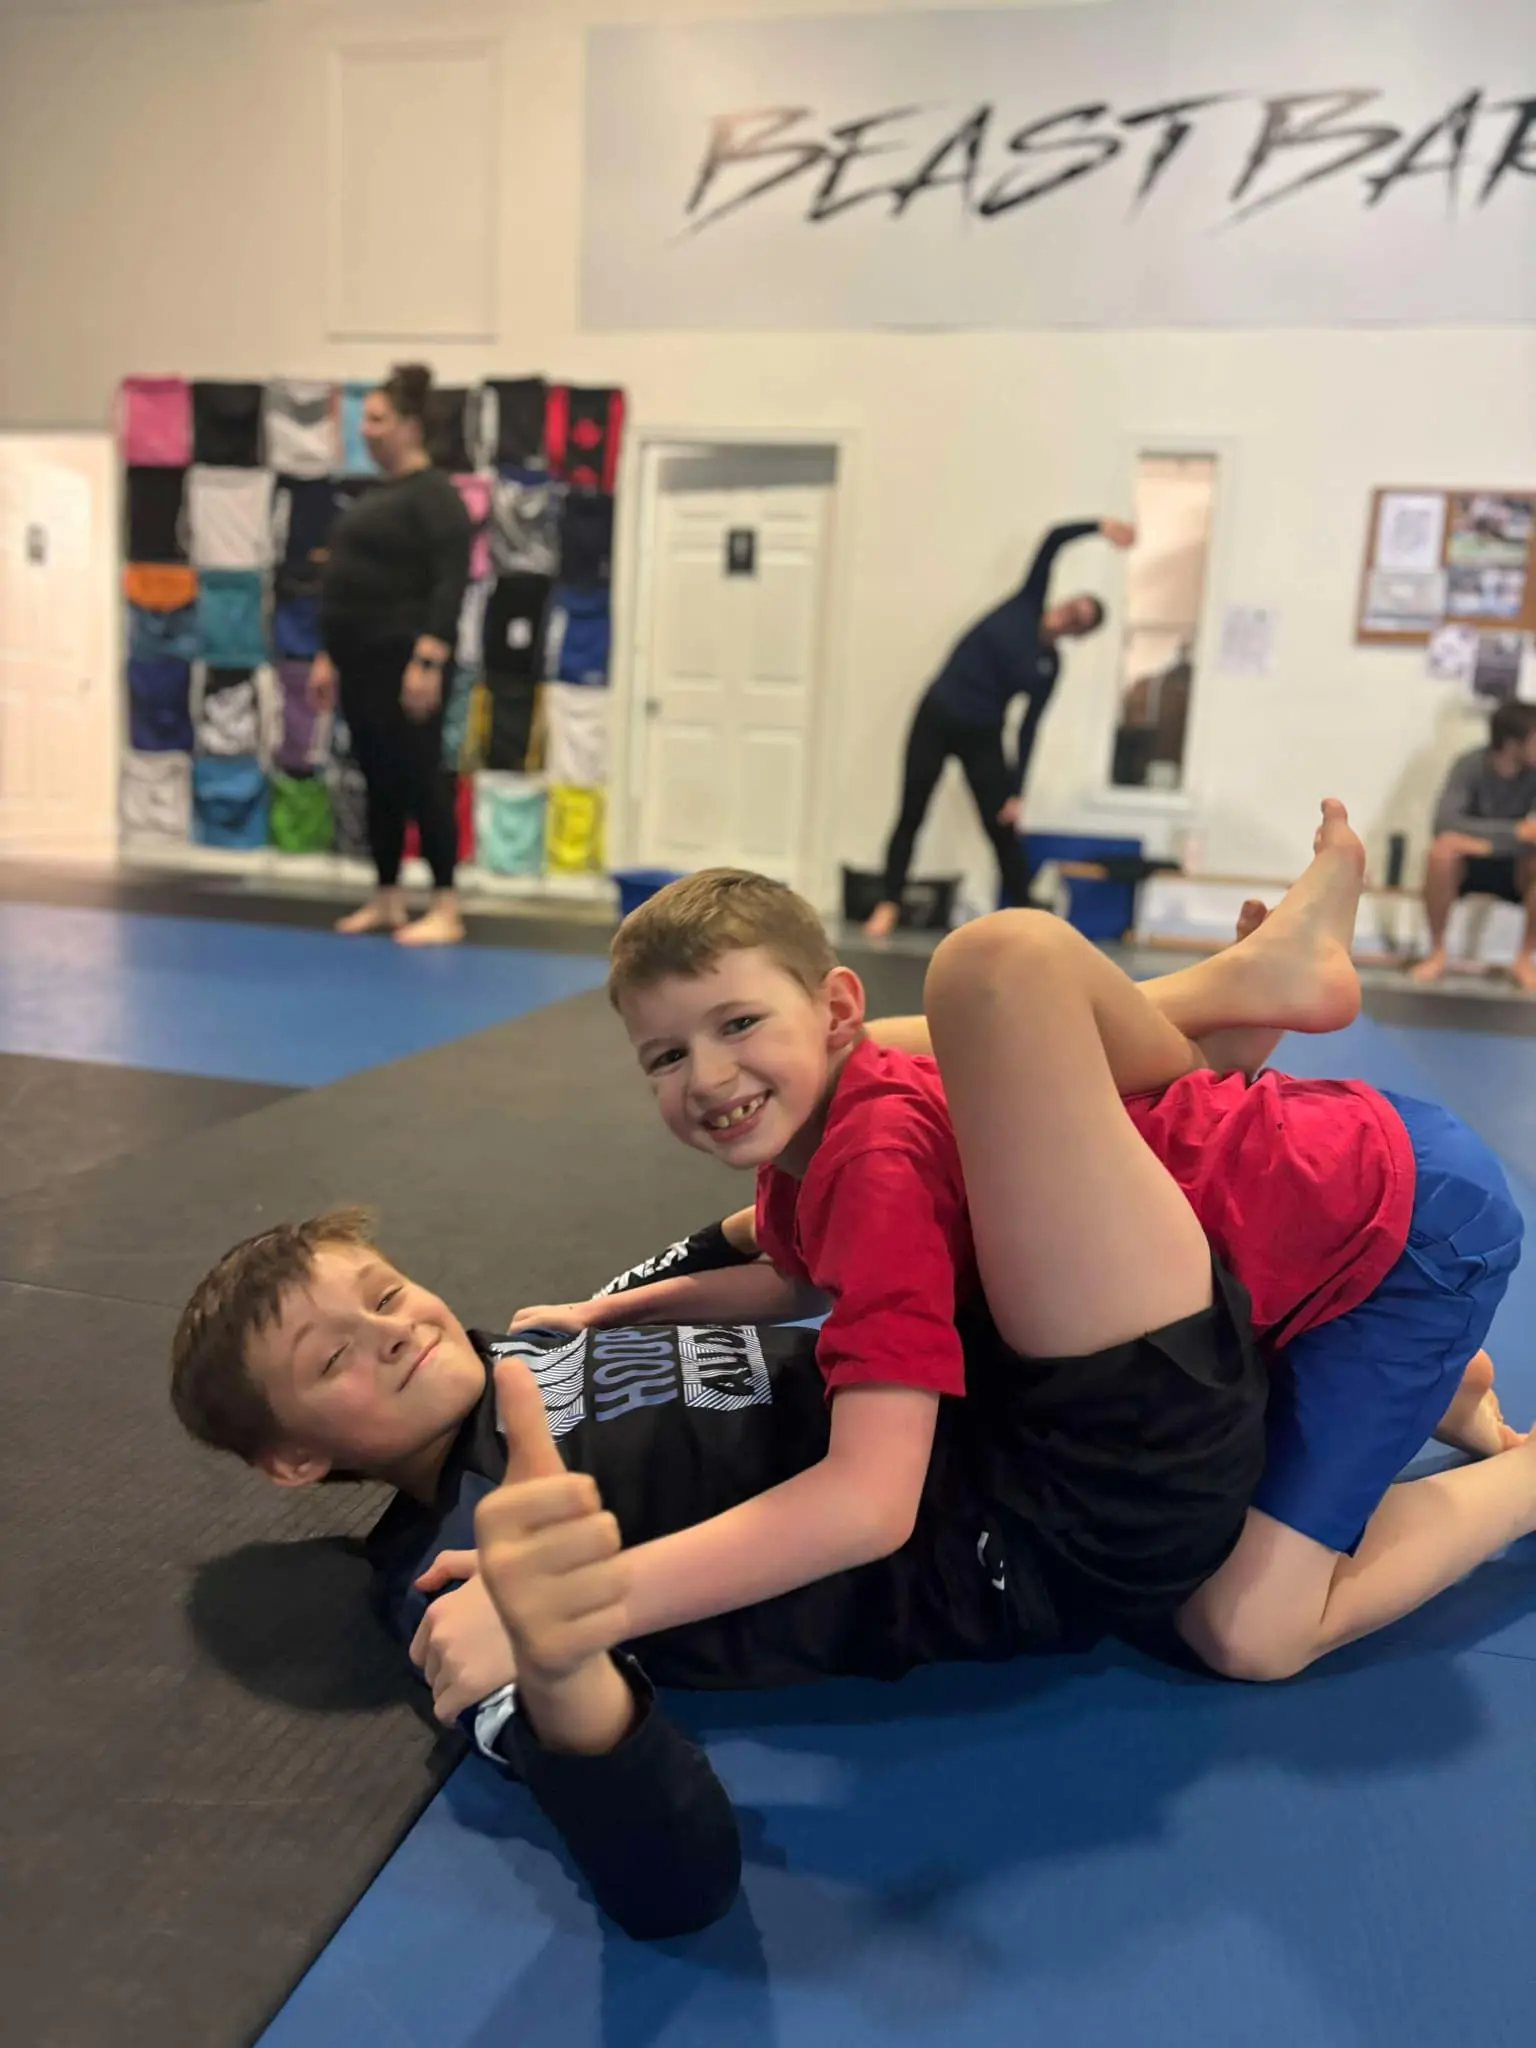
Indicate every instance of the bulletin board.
{"type": "Point", "coordinates": [1438, 558]}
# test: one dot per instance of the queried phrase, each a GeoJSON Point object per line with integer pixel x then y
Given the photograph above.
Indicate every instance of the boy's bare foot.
{"type": "Point", "coordinates": [1474, 1422]}
{"type": "Point", "coordinates": [882, 920]}
{"type": "Point", "coordinates": [1523, 973]}
{"type": "Point", "coordinates": [1294, 971]}
{"type": "Point", "coordinates": [436, 928]}
{"type": "Point", "coordinates": [381, 915]}
{"type": "Point", "coordinates": [1430, 969]}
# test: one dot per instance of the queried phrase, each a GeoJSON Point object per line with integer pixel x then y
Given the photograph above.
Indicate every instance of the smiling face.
{"type": "Point", "coordinates": [741, 1058]}
{"type": "Point", "coordinates": [364, 1371]}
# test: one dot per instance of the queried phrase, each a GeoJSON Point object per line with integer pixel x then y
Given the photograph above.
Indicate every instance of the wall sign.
{"type": "Point", "coordinates": [1133, 163]}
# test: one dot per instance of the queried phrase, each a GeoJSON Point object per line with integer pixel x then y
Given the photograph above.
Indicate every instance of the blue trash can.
{"type": "Point", "coordinates": [1099, 910]}
{"type": "Point", "coordinates": [638, 885]}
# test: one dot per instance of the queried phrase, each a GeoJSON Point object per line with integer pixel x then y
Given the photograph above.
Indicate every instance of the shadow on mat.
{"type": "Point", "coordinates": [293, 1622]}
{"type": "Point", "coordinates": [638, 1987]}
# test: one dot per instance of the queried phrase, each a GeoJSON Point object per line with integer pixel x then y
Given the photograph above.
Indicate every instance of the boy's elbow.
{"type": "Point", "coordinates": [885, 1528]}
{"type": "Point", "coordinates": [685, 1902]}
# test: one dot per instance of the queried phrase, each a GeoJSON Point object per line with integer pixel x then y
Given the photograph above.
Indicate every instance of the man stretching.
{"type": "Point", "coordinates": [1009, 653]}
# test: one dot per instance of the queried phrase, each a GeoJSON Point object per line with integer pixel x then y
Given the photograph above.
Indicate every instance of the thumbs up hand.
{"type": "Point", "coordinates": [550, 1555]}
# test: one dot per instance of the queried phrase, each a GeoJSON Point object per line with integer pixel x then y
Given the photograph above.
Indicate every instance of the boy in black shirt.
{"type": "Point", "coordinates": [306, 1353]}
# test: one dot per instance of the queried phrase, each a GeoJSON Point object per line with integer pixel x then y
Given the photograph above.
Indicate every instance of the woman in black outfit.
{"type": "Point", "coordinates": [394, 580]}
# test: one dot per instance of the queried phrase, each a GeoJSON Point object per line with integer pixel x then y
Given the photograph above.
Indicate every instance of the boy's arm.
{"type": "Point", "coordinates": [904, 1034]}
{"type": "Point", "coordinates": [647, 1822]}
{"type": "Point", "coordinates": [730, 1243]}
{"type": "Point", "coordinates": [740, 1233]}
{"type": "Point", "coordinates": [885, 1226]}
{"type": "Point", "coordinates": [733, 1294]}
{"type": "Point", "coordinates": [857, 1505]}
{"type": "Point", "coordinates": [638, 1805]}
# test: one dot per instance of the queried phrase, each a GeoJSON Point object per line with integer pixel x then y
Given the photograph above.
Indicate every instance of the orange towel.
{"type": "Point", "coordinates": [159, 586]}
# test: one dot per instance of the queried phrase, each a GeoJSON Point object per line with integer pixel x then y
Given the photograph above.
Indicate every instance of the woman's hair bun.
{"type": "Point", "coordinates": [407, 389]}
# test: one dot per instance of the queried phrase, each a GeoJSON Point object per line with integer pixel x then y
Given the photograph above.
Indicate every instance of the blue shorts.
{"type": "Point", "coordinates": [1352, 1402]}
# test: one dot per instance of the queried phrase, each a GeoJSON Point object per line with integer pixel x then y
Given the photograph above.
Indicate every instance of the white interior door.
{"type": "Point", "coordinates": [58, 716]}
{"type": "Point", "coordinates": [729, 680]}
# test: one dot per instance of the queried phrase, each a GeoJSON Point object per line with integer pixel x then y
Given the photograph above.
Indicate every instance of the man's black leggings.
{"type": "Point", "coordinates": [934, 737]}
{"type": "Point", "coordinates": [401, 759]}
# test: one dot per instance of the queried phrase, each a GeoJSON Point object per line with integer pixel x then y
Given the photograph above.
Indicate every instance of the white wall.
{"type": "Point", "coordinates": [163, 206]}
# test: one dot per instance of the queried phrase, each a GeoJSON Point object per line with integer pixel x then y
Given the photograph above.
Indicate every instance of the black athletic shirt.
{"type": "Point", "coordinates": [398, 563]}
{"type": "Point", "coordinates": [677, 1425]}
{"type": "Point", "coordinates": [1002, 656]}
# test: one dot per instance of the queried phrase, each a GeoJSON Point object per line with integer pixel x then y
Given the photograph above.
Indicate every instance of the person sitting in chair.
{"type": "Point", "coordinates": [1485, 838]}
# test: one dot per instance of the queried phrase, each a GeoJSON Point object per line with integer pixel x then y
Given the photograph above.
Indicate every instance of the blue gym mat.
{"type": "Point", "coordinates": [249, 1002]}
{"type": "Point", "coordinates": [1082, 1853]}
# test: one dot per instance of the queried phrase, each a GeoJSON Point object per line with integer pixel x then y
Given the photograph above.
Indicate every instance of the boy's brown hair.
{"type": "Point", "coordinates": [213, 1390]}
{"type": "Point", "coordinates": [686, 927]}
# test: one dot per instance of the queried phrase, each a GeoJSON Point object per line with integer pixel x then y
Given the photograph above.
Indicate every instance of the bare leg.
{"type": "Point", "coordinates": [1294, 972]}
{"type": "Point", "coordinates": [1523, 972]}
{"type": "Point", "coordinates": [1442, 880]}
{"type": "Point", "coordinates": [1245, 1047]}
{"type": "Point", "coordinates": [384, 912]}
{"type": "Point", "coordinates": [1083, 1239]}
{"type": "Point", "coordinates": [1282, 1600]}
{"type": "Point", "coordinates": [1289, 971]}
{"type": "Point", "coordinates": [1474, 1422]}
{"type": "Point", "coordinates": [441, 926]}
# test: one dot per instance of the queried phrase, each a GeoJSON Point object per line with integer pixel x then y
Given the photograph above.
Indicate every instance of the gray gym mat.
{"type": "Point", "coordinates": [525, 1162]}
{"type": "Point", "coordinates": [184, 1823]}
{"type": "Point", "coordinates": [519, 1163]}
{"type": "Point", "coordinates": [60, 1116]}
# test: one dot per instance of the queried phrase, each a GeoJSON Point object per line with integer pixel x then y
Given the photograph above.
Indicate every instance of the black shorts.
{"type": "Point", "coordinates": [1118, 1483]}
{"type": "Point", "coordinates": [1492, 874]}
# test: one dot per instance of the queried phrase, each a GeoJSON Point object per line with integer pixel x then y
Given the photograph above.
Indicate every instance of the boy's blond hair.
{"type": "Point", "coordinates": [687, 927]}
{"type": "Point", "coordinates": [213, 1390]}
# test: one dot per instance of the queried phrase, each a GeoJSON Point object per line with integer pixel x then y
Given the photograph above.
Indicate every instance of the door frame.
{"type": "Point", "coordinates": [106, 647]}
{"type": "Point", "coordinates": [638, 506]}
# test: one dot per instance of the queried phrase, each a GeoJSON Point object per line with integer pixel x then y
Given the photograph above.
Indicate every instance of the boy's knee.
{"type": "Point", "coordinates": [974, 954]}
{"type": "Point", "coordinates": [1445, 853]}
{"type": "Point", "coordinates": [1233, 1650]}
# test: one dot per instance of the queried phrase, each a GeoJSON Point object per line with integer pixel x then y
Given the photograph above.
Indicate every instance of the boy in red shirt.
{"type": "Point", "coordinates": [1096, 1268]}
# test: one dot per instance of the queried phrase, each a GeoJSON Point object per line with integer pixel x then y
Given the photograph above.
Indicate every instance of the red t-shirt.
{"type": "Point", "coordinates": [879, 1222]}
{"type": "Point", "coordinates": [1304, 1188]}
